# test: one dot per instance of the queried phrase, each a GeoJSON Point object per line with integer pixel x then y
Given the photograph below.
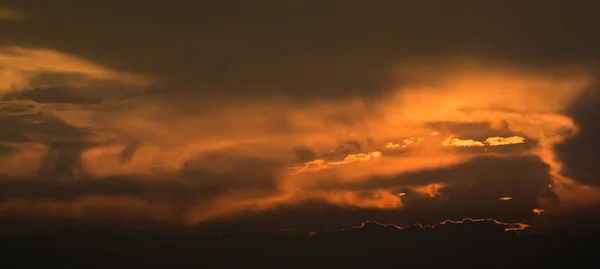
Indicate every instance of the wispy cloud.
{"type": "Point", "coordinates": [19, 65]}
{"type": "Point", "coordinates": [318, 165]}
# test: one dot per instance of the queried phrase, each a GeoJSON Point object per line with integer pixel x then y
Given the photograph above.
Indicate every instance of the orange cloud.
{"type": "Point", "coordinates": [506, 198]}
{"type": "Point", "coordinates": [12, 79]}
{"type": "Point", "coordinates": [571, 194]}
{"type": "Point", "coordinates": [19, 65]}
{"type": "Point", "coordinates": [537, 211]}
{"type": "Point", "coordinates": [456, 142]}
{"type": "Point", "coordinates": [165, 136]}
{"type": "Point", "coordinates": [432, 190]}
{"type": "Point", "coordinates": [318, 165]}
{"type": "Point", "coordinates": [379, 199]}
{"type": "Point", "coordinates": [490, 141]}
{"type": "Point", "coordinates": [406, 142]}
{"type": "Point", "coordinates": [24, 161]}
{"type": "Point", "coordinates": [500, 141]}
{"type": "Point", "coordinates": [391, 145]}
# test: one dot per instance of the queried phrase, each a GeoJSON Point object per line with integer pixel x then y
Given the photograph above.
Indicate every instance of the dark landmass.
{"type": "Point", "coordinates": [463, 244]}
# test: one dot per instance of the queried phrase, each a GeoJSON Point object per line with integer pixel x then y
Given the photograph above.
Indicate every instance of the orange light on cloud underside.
{"type": "Point", "coordinates": [393, 135]}
{"type": "Point", "coordinates": [499, 141]}
{"type": "Point", "coordinates": [456, 142]}
{"type": "Point", "coordinates": [20, 65]}
{"type": "Point", "coordinates": [490, 141]}
{"type": "Point", "coordinates": [537, 211]}
{"type": "Point", "coordinates": [318, 165]}
{"type": "Point", "coordinates": [506, 198]}
{"type": "Point", "coordinates": [507, 226]}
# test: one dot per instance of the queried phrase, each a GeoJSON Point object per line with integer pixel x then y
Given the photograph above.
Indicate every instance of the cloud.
{"type": "Point", "coordinates": [457, 142]}
{"type": "Point", "coordinates": [317, 165]}
{"type": "Point", "coordinates": [19, 66]}
{"type": "Point", "coordinates": [255, 143]}
{"type": "Point", "coordinates": [375, 225]}
{"type": "Point", "coordinates": [500, 141]}
{"type": "Point", "coordinates": [10, 14]}
{"type": "Point", "coordinates": [453, 141]}
{"type": "Point", "coordinates": [432, 190]}
{"type": "Point", "coordinates": [490, 141]}
{"type": "Point", "coordinates": [537, 211]}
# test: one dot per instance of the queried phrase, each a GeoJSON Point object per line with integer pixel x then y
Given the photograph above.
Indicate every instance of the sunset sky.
{"type": "Point", "coordinates": [318, 115]}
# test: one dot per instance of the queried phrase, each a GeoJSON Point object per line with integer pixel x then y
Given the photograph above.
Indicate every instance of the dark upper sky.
{"type": "Point", "coordinates": [309, 114]}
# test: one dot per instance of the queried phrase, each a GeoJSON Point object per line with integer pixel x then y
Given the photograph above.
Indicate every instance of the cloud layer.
{"type": "Point", "coordinates": [249, 110]}
{"type": "Point", "coordinates": [267, 153]}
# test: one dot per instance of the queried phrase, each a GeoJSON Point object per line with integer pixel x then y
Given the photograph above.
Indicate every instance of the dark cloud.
{"type": "Point", "coordinates": [25, 121]}
{"type": "Point", "coordinates": [472, 189]}
{"type": "Point", "coordinates": [482, 171]}
{"type": "Point", "coordinates": [62, 162]}
{"type": "Point", "coordinates": [300, 53]}
{"type": "Point", "coordinates": [337, 48]}
{"type": "Point", "coordinates": [581, 152]}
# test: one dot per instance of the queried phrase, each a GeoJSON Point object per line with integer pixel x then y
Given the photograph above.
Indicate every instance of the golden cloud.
{"type": "Point", "coordinates": [166, 135]}
{"type": "Point", "coordinates": [457, 142]}
{"type": "Point", "coordinates": [18, 65]}
{"type": "Point", "coordinates": [453, 141]}
{"type": "Point", "coordinates": [500, 141]}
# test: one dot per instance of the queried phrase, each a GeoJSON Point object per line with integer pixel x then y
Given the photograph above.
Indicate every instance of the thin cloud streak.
{"type": "Point", "coordinates": [507, 225]}
{"type": "Point", "coordinates": [20, 65]}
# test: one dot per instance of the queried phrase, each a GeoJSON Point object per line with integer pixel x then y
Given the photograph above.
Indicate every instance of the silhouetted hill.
{"type": "Point", "coordinates": [460, 244]}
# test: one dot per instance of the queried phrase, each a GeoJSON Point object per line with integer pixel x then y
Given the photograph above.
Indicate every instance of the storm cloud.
{"type": "Point", "coordinates": [200, 112]}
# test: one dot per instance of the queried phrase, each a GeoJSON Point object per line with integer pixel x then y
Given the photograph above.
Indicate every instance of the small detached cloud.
{"type": "Point", "coordinates": [500, 141]}
{"type": "Point", "coordinates": [490, 141]}
{"type": "Point", "coordinates": [406, 142]}
{"type": "Point", "coordinates": [318, 165]}
{"type": "Point", "coordinates": [457, 142]}
{"type": "Point", "coordinates": [537, 211]}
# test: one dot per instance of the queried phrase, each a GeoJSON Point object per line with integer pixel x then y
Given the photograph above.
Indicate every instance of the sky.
{"type": "Point", "coordinates": [298, 114]}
